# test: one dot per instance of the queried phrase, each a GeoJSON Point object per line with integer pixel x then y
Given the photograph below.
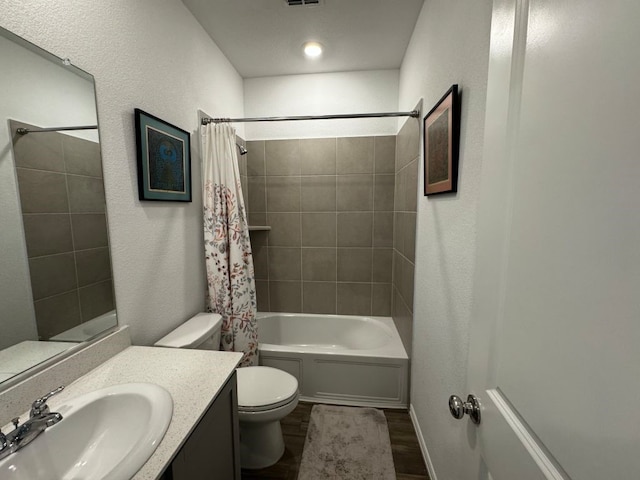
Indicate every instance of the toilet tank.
{"type": "Point", "coordinates": [200, 332]}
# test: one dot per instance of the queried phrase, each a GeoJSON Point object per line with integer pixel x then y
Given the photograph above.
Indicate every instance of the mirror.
{"type": "Point", "coordinates": [56, 287]}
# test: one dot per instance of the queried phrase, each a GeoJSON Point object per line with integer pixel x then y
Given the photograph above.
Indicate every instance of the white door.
{"type": "Point", "coordinates": [555, 345]}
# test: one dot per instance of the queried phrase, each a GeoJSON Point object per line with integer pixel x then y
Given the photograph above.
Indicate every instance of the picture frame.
{"type": "Point", "coordinates": [164, 159]}
{"type": "Point", "coordinates": [442, 144]}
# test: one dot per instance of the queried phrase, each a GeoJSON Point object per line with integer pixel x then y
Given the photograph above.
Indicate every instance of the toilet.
{"type": "Point", "coordinates": [265, 394]}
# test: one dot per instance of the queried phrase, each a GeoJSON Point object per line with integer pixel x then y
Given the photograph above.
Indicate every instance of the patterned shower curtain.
{"type": "Point", "coordinates": [230, 276]}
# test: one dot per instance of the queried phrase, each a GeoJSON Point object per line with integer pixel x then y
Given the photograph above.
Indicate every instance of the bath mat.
{"type": "Point", "coordinates": [347, 443]}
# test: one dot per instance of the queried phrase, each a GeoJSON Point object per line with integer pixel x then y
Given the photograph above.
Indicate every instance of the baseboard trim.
{"type": "Point", "coordinates": [423, 445]}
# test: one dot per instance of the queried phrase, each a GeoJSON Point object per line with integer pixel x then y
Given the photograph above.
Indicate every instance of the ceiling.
{"type": "Point", "coordinates": [265, 37]}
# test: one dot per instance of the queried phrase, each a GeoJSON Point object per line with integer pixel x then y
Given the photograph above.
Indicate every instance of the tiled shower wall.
{"type": "Point", "coordinates": [330, 205]}
{"type": "Point", "coordinates": [404, 244]}
{"type": "Point", "coordinates": [63, 207]}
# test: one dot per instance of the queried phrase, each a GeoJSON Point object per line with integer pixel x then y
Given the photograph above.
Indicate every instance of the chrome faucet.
{"type": "Point", "coordinates": [40, 418]}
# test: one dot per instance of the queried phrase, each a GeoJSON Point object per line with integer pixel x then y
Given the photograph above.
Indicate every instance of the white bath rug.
{"type": "Point", "coordinates": [347, 443]}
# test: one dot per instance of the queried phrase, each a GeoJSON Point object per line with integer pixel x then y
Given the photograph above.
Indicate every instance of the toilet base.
{"type": "Point", "coordinates": [261, 444]}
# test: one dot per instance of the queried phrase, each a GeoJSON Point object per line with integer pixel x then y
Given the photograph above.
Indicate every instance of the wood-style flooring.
{"type": "Point", "coordinates": [407, 457]}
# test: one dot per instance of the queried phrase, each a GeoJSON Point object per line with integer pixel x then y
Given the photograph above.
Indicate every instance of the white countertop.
{"type": "Point", "coordinates": [192, 377]}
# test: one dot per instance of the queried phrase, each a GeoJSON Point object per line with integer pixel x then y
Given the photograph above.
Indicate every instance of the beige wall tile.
{"type": "Point", "coordinates": [47, 234]}
{"type": "Point", "coordinates": [409, 226]}
{"type": "Point", "coordinates": [318, 193]}
{"type": "Point", "coordinates": [318, 156]}
{"type": "Point", "coordinates": [285, 229]}
{"type": "Point", "coordinates": [383, 229]}
{"type": "Point", "coordinates": [354, 264]}
{"type": "Point", "coordinates": [285, 296]}
{"type": "Point", "coordinates": [403, 320]}
{"type": "Point", "coordinates": [408, 143]}
{"type": "Point", "coordinates": [82, 157]}
{"type": "Point", "coordinates": [355, 193]}
{"type": "Point", "coordinates": [93, 266]}
{"type": "Point", "coordinates": [284, 263]}
{"type": "Point", "coordinates": [319, 297]}
{"type": "Point", "coordinates": [260, 254]}
{"type": "Point", "coordinates": [411, 186]}
{"type": "Point", "coordinates": [381, 299]}
{"type": "Point", "coordinates": [282, 157]}
{"type": "Point", "coordinates": [257, 218]}
{"type": "Point", "coordinates": [89, 230]}
{"type": "Point", "coordinates": [354, 299]}
{"type": "Point", "coordinates": [262, 295]}
{"type": "Point", "coordinates": [257, 194]}
{"type": "Point", "coordinates": [96, 299]}
{"type": "Point", "coordinates": [384, 186]}
{"type": "Point", "coordinates": [355, 155]}
{"type": "Point", "coordinates": [42, 192]}
{"type": "Point", "coordinates": [283, 194]}
{"type": "Point", "coordinates": [355, 229]}
{"type": "Point", "coordinates": [319, 229]}
{"type": "Point", "coordinates": [385, 154]}
{"type": "Point", "coordinates": [255, 158]}
{"type": "Point", "coordinates": [52, 275]}
{"type": "Point", "coordinates": [86, 194]}
{"type": "Point", "coordinates": [56, 314]}
{"type": "Point", "coordinates": [382, 265]}
{"type": "Point", "coordinates": [319, 264]}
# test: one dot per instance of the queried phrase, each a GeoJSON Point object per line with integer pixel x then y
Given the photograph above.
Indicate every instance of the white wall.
{"type": "Point", "coordinates": [150, 54]}
{"type": "Point", "coordinates": [321, 94]}
{"type": "Point", "coordinates": [42, 93]}
{"type": "Point", "coordinates": [450, 45]}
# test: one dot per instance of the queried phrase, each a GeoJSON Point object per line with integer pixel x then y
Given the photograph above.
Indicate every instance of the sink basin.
{"type": "Point", "coordinates": [105, 434]}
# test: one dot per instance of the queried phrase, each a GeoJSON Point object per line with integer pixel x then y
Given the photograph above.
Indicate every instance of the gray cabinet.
{"type": "Point", "coordinates": [212, 451]}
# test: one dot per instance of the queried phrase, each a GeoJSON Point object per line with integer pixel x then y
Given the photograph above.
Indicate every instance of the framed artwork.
{"type": "Point", "coordinates": [441, 144]}
{"type": "Point", "coordinates": [164, 160]}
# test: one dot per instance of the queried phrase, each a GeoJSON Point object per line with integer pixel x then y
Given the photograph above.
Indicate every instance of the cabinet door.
{"type": "Point", "coordinates": [212, 451]}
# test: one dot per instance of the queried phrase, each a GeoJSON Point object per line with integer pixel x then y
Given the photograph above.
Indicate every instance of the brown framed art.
{"type": "Point", "coordinates": [441, 144]}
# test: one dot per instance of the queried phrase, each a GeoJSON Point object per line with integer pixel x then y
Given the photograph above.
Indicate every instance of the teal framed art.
{"type": "Point", "coordinates": [164, 159]}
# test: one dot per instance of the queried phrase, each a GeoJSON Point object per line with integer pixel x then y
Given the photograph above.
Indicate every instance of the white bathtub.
{"type": "Point", "coordinates": [341, 359]}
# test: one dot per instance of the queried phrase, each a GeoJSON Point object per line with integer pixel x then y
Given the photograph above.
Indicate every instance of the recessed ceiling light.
{"type": "Point", "coordinates": [312, 49]}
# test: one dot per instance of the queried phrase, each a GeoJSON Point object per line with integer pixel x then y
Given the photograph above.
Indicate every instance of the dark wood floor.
{"type": "Point", "coordinates": [407, 457]}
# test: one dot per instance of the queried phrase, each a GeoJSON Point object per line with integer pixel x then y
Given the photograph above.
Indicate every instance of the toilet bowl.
{"type": "Point", "coordinates": [265, 394]}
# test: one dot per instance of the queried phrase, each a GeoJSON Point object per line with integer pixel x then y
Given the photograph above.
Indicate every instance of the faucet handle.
{"type": "Point", "coordinates": [40, 407]}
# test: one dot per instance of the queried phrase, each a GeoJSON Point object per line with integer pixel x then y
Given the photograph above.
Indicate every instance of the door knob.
{"type": "Point", "coordinates": [471, 407]}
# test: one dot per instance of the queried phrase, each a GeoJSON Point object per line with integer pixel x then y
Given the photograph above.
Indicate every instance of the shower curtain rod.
{"type": "Point", "coordinates": [413, 113]}
{"type": "Point", "coordinates": [24, 131]}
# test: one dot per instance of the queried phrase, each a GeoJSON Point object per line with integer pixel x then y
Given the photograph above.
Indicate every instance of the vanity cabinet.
{"type": "Point", "coordinates": [212, 451]}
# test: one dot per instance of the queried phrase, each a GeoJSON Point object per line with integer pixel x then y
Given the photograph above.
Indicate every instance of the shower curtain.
{"type": "Point", "coordinates": [231, 288]}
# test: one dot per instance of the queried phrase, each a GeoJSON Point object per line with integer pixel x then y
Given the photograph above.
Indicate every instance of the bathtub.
{"type": "Point", "coordinates": [340, 359]}
{"type": "Point", "coordinates": [88, 330]}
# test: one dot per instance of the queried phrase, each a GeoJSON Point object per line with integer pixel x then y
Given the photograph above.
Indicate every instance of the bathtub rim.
{"type": "Point", "coordinates": [393, 350]}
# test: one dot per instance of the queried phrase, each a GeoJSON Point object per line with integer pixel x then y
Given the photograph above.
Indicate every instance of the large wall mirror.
{"type": "Point", "coordinates": [56, 288]}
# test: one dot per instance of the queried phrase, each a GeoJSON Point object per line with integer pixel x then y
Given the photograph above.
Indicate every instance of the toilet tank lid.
{"type": "Point", "coordinates": [192, 332]}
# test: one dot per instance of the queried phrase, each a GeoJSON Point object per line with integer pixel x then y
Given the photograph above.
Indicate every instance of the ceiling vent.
{"type": "Point", "coordinates": [302, 3]}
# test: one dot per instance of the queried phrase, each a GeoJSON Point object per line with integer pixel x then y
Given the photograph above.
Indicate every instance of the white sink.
{"type": "Point", "coordinates": [105, 434]}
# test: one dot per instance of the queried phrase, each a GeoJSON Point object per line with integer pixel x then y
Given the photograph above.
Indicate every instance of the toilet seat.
{"type": "Point", "coordinates": [265, 388]}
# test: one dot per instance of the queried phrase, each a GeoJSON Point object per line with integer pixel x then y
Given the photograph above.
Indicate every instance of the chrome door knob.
{"type": "Point", "coordinates": [471, 407]}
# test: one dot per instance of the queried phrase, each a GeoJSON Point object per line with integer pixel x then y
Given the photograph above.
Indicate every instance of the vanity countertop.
{"type": "Point", "coordinates": [192, 377]}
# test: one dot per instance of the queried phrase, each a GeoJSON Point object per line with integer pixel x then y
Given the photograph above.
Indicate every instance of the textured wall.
{"type": "Point", "coordinates": [321, 94]}
{"type": "Point", "coordinates": [329, 202]}
{"type": "Point", "coordinates": [154, 55]}
{"type": "Point", "coordinates": [442, 53]}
